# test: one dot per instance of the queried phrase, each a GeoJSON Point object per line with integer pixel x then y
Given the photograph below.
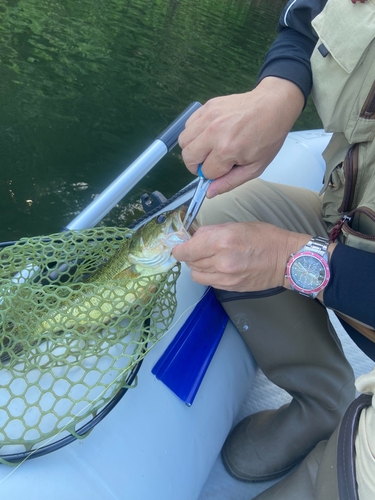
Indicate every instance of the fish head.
{"type": "Point", "coordinates": [151, 246]}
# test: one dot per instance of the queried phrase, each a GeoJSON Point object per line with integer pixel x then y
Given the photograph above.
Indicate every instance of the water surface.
{"type": "Point", "coordinates": [86, 86]}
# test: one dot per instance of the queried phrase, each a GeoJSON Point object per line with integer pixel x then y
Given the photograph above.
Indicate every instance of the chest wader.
{"type": "Point", "coordinates": [296, 347]}
{"type": "Point", "coordinates": [291, 339]}
{"type": "Point", "coordinates": [289, 335]}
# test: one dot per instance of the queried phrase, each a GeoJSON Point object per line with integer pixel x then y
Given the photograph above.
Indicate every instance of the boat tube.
{"type": "Point", "coordinates": [153, 444]}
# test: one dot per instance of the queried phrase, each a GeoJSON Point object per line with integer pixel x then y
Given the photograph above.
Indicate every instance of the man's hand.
{"type": "Point", "coordinates": [241, 130]}
{"type": "Point", "coordinates": [240, 256]}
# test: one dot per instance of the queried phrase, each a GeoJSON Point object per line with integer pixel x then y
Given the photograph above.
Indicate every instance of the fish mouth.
{"type": "Point", "coordinates": [194, 226]}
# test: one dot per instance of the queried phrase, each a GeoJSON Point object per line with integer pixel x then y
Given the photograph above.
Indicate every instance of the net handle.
{"type": "Point", "coordinates": [103, 203]}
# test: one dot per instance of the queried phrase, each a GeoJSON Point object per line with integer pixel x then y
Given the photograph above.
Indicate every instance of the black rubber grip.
{"type": "Point", "coordinates": [170, 135]}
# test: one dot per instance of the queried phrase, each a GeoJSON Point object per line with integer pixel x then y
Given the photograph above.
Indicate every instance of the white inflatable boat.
{"type": "Point", "coordinates": [161, 440]}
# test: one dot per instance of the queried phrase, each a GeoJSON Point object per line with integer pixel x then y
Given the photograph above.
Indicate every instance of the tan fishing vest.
{"type": "Point", "coordinates": [343, 64]}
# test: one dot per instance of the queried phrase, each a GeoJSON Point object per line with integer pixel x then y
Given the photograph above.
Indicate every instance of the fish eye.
{"type": "Point", "coordinates": [161, 218]}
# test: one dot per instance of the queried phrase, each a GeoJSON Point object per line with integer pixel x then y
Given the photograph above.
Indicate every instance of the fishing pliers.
{"type": "Point", "coordinates": [197, 200]}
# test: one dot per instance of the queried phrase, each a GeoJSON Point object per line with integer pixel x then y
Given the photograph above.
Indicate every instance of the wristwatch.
{"type": "Point", "coordinates": [308, 270]}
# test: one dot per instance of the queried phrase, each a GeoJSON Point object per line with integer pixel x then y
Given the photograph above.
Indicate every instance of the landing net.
{"type": "Point", "coordinates": [67, 346]}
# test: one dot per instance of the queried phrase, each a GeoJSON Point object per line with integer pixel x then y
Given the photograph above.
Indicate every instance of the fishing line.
{"type": "Point", "coordinates": [16, 467]}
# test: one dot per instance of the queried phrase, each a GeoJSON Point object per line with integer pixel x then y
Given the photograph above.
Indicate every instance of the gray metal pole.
{"type": "Point", "coordinates": [103, 203]}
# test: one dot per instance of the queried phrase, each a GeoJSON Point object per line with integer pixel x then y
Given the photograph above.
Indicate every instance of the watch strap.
{"type": "Point", "coordinates": [318, 245]}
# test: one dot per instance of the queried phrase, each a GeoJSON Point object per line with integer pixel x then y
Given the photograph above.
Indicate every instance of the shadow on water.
{"type": "Point", "coordinates": [86, 86]}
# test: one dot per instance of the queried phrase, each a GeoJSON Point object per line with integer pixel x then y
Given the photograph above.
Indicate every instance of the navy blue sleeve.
{"type": "Point", "coordinates": [289, 56]}
{"type": "Point", "coordinates": [351, 289]}
{"type": "Point", "coordinates": [298, 14]}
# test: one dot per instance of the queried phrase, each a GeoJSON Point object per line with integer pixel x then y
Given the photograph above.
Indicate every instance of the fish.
{"type": "Point", "coordinates": [147, 253]}
{"type": "Point", "coordinates": [109, 292]}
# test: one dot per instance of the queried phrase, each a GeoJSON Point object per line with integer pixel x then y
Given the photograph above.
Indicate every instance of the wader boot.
{"type": "Point", "coordinates": [295, 345]}
{"type": "Point", "coordinates": [329, 470]}
{"type": "Point", "coordinates": [301, 484]}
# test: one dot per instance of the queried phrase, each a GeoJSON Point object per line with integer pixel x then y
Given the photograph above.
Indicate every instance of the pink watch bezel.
{"type": "Point", "coordinates": [321, 260]}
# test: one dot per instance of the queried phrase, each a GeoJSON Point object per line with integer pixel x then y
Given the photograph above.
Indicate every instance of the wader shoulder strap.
{"type": "Point", "coordinates": [346, 474]}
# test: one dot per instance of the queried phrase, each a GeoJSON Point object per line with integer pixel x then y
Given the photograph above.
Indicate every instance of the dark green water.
{"type": "Point", "coordinates": [86, 86]}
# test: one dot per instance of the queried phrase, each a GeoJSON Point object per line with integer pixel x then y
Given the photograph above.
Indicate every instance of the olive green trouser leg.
{"type": "Point", "coordinates": [290, 337]}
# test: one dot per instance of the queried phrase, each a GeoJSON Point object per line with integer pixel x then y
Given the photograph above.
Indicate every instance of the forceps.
{"type": "Point", "coordinates": [197, 200]}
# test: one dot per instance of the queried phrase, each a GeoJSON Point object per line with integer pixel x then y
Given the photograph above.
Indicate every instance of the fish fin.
{"type": "Point", "coordinates": [127, 273]}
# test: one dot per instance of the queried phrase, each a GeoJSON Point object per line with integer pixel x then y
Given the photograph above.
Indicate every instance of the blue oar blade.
{"type": "Point", "coordinates": [184, 363]}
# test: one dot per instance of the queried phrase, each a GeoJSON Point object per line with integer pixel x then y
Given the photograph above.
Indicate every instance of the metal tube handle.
{"type": "Point", "coordinates": [103, 203]}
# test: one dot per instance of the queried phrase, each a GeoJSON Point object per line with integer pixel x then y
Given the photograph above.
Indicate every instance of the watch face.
{"type": "Point", "coordinates": [308, 272]}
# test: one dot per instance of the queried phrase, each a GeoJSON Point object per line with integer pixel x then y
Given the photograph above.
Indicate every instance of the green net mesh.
{"type": "Point", "coordinates": [67, 343]}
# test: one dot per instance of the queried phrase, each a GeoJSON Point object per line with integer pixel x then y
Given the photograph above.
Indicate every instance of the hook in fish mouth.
{"type": "Point", "coordinates": [195, 225]}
